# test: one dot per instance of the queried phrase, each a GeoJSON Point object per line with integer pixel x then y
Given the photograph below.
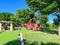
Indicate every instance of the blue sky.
{"type": "Point", "coordinates": [51, 17]}
{"type": "Point", "coordinates": [13, 5]}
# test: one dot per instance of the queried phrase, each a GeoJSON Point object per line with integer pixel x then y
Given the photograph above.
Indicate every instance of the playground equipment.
{"type": "Point", "coordinates": [31, 25]}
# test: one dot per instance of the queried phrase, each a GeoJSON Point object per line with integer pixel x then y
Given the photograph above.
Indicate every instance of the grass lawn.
{"type": "Point", "coordinates": [30, 37]}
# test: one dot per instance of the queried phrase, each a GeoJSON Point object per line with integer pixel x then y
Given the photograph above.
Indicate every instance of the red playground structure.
{"type": "Point", "coordinates": [32, 26]}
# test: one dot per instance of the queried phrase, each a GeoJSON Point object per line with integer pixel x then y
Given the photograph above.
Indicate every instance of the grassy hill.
{"type": "Point", "coordinates": [30, 37]}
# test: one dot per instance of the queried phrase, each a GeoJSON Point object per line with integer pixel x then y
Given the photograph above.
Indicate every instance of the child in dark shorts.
{"type": "Point", "coordinates": [20, 39]}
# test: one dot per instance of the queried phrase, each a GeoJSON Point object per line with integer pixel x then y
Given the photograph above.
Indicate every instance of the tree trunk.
{"type": "Point", "coordinates": [59, 30]}
{"type": "Point", "coordinates": [59, 25]}
{"type": "Point", "coordinates": [58, 15]}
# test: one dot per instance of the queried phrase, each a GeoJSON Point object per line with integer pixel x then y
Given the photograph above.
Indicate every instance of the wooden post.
{"type": "Point", "coordinates": [0, 26]}
{"type": "Point", "coordinates": [11, 27]}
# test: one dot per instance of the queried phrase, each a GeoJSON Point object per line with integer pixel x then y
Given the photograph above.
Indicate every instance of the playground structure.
{"type": "Point", "coordinates": [32, 26]}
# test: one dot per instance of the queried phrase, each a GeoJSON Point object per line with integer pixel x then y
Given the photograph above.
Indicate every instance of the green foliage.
{"type": "Point", "coordinates": [45, 6]}
{"type": "Point", "coordinates": [53, 26]}
{"type": "Point", "coordinates": [41, 19]}
{"type": "Point", "coordinates": [24, 15]}
{"type": "Point", "coordinates": [6, 16]}
{"type": "Point", "coordinates": [13, 17]}
{"type": "Point", "coordinates": [56, 21]}
{"type": "Point", "coordinates": [47, 25]}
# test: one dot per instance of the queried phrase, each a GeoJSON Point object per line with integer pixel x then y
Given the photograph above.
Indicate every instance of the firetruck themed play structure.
{"type": "Point", "coordinates": [31, 25]}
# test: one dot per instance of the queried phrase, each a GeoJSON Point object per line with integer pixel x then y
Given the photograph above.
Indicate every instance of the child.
{"type": "Point", "coordinates": [20, 39]}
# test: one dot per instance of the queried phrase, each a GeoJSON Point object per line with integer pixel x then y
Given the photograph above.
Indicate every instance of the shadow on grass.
{"type": "Point", "coordinates": [15, 42]}
{"type": "Point", "coordinates": [49, 43]}
{"type": "Point", "coordinates": [47, 30]}
{"type": "Point", "coordinates": [29, 43]}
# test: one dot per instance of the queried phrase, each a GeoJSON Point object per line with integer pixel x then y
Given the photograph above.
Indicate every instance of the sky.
{"type": "Point", "coordinates": [13, 5]}
{"type": "Point", "coordinates": [51, 17]}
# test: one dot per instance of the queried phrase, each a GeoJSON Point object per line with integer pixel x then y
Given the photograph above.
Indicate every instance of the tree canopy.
{"type": "Point", "coordinates": [6, 16]}
{"type": "Point", "coordinates": [41, 20]}
{"type": "Point", "coordinates": [24, 15]}
{"type": "Point", "coordinates": [45, 6]}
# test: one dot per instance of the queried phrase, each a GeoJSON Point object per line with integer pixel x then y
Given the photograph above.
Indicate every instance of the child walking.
{"type": "Point", "coordinates": [20, 39]}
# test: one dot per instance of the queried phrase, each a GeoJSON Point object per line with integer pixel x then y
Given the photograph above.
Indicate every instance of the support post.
{"type": "Point", "coordinates": [11, 26]}
{"type": "Point", "coordinates": [0, 26]}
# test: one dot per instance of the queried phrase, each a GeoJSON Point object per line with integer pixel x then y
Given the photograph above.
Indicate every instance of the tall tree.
{"type": "Point", "coordinates": [46, 7]}
{"type": "Point", "coordinates": [38, 6]}
{"type": "Point", "coordinates": [24, 15]}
